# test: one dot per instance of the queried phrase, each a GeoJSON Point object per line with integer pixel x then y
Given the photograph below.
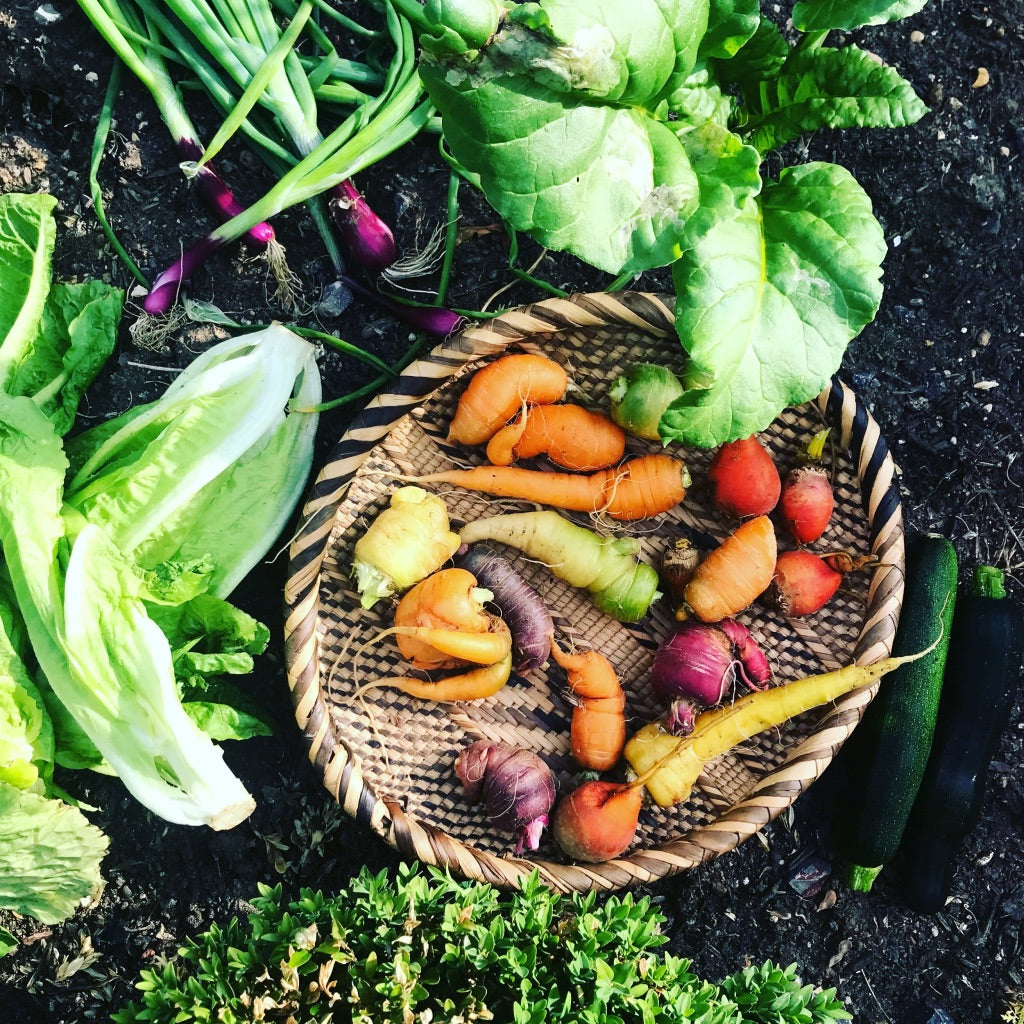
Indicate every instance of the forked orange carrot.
{"type": "Point", "coordinates": [441, 622]}
{"type": "Point", "coordinates": [598, 730]}
{"type": "Point", "coordinates": [569, 435]}
{"type": "Point", "coordinates": [737, 572]}
{"type": "Point", "coordinates": [497, 390]}
{"type": "Point", "coordinates": [637, 489]}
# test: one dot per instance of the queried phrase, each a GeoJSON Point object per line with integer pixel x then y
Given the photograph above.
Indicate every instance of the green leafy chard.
{"type": "Point", "coordinates": [634, 136]}
{"type": "Point", "coordinates": [785, 285]}
{"type": "Point", "coordinates": [557, 117]}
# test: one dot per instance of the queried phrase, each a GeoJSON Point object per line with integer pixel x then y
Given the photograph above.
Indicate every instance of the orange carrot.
{"type": "Point", "coordinates": [441, 622]}
{"type": "Point", "coordinates": [497, 390]}
{"type": "Point", "coordinates": [637, 489]}
{"type": "Point", "coordinates": [473, 684]}
{"type": "Point", "coordinates": [735, 573]}
{"type": "Point", "coordinates": [569, 435]}
{"type": "Point", "coordinates": [598, 731]}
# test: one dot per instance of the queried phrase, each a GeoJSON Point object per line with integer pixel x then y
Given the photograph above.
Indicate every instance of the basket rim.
{"type": "Point", "coordinates": [339, 768]}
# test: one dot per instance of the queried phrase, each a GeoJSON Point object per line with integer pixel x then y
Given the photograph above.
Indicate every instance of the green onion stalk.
{"type": "Point", "coordinates": [246, 41]}
{"type": "Point", "coordinates": [138, 44]}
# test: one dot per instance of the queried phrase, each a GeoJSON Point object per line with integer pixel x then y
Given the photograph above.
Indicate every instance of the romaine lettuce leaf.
{"type": "Point", "coordinates": [54, 337]}
{"type": "Point", "coordinates": [26, 732]}
{"type": "Point", "coordinates": [768, 301]}
{"type": "Point", "coordinates": [107, 662]}
{"type": "Point", "coordinates": [50, 856]}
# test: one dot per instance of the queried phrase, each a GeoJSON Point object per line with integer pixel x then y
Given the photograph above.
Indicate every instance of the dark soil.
{"type": "Point", "coordinates": [942, 369]}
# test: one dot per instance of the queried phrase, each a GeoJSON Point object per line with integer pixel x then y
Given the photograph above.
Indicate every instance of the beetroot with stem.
{"type": "Point", "coordinates": [598, 820]}
{"type": "Point", "coordinates": [807, 500]}
{"type": "Point", "coordinates": [699, 664]}
{"type": "Point", "coordinates": [803, 582]}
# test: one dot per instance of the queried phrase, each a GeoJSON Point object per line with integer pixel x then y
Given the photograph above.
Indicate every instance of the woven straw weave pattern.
{"type": "Point", "coordinates": [388, 757]}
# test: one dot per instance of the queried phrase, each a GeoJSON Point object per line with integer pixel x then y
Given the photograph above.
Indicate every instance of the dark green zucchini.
{"type": "Point", "coordinates": [983, 672]}
{"type": "Point", "coordinates": [890, 746]}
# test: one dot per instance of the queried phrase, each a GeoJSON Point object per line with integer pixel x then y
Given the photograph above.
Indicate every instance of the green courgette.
{"type": "Point", "coordinates": [983, 672]}
{"type": "Point", "coordinates": [890, 746]}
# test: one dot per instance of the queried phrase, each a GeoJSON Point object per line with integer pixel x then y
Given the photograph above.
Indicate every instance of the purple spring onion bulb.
{"type": "Point", "coordinates": [164, 291]}
{"type": "Point", "coordinates": [218, 197]}
{"type": "Point", "coordinates": [368, 239]}
{"type": "Point", "coordinates": [699, 664]}
{"type": "Point", "coordinates": [514, 785]}
{"type": "Point", "coordinates": [434, 320]}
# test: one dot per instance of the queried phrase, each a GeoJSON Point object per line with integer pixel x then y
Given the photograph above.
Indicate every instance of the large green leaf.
{"type": "Point", "coordinates": [49, 856]}
{"type": "Point", "coordinates": [54, 337]}
{"type": "Point", "coordinates": [731, 23]}
{"type": "Point", "coordinates": [77, 335]}
{"type": "Point", "coordinates": [727, 169]}
{"type": "Point", "coordinates": [768, 301]}
{"type": "Point", "coordinates": [823, 15]}
{"type": "Point", "coordinates": [562, 127]}
{"type": "Point", "coordinates": [27, 237]}
{"type": "Point", "coordinates": [829, 88]}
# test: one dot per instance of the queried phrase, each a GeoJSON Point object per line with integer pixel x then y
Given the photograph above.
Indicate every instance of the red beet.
{"type": "Point", "coordinates": [807, 503]}
{"type": "Point", "coordinates": [802, 583]}
{"type": "Point", "coordinates": [744, 480]}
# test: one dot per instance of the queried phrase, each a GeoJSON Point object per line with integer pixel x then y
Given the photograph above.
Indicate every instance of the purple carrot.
{"type": "Point", "coordinates": [219, 198]}
{"type": "Point", "coordinates": [369, 240]}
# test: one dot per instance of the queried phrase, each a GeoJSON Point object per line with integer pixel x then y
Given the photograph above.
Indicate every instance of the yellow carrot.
{"type": "Point", "coordinates": [670, 765]}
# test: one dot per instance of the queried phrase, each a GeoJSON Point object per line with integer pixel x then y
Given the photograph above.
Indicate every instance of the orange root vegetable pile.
{"type": "Point", "coordinates": [735, 573]}
{"type": "Point", "coordinates": [497, 390]}
{"type": "Point", "coordinates": [569, 435]}
{"type": "Point", "coordinates": [637, 489]}
{"type": "Point", "coordinates": [598, 730]}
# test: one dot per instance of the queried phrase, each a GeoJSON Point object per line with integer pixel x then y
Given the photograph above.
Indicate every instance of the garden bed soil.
{"type": "Point", "coordinates": [941, 369]}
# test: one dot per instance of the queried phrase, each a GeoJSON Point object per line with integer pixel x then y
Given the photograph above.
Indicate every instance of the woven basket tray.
{"type": "Point", "coordinates": [388, 759]}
